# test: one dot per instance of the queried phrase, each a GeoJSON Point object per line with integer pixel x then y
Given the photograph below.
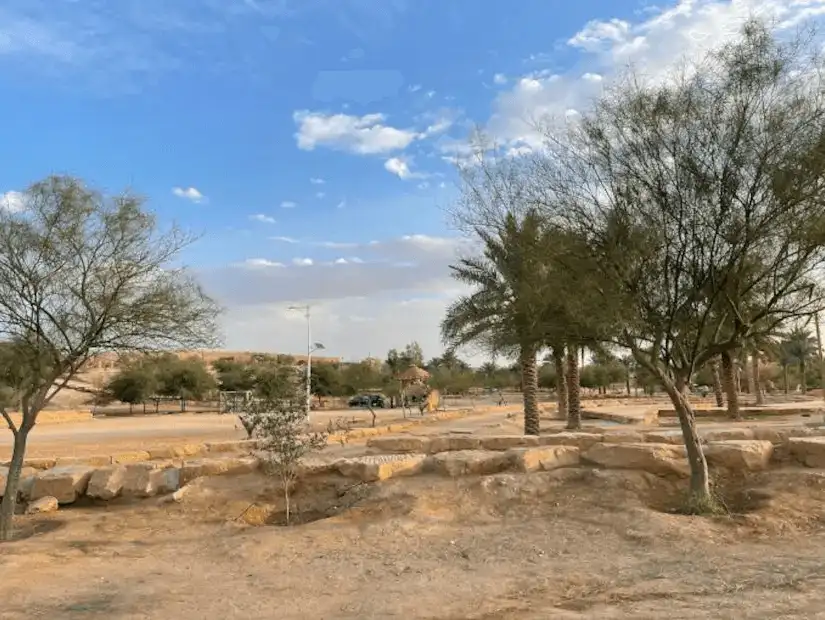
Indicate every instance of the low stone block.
{"type": "Point", "coordinates": [42, 505]}
{"type": "Point", "coordinates": [143, 480]}
{"type": "Point", "coordinates": [778, 434]}
{"type": "Point", "coordinates": [94, 460]}
{"type": "Point", "coordinates": [377, 467]}
{"type": "Point", "coordinates": [571, 438]}
{"type": "Point", "coordinates": [172, 452]}
{"type": "Point", "coordinates": [216, 467]}
{"type": "Point", "coordinates": [506, 442]}
{"type": "Point", "coordinates": [543, 459]}
{"type": "Point", "coordinates": [66, 483]}
{"type": "Point", "coordinates": [470, 462]}
{"type": "Point", "coordinates": [727, 434]}
{"type": "Point", "coordinates": [670, 437]}
{"type": "Point", "coordinates": [739, 454]}
{"type": "Point", "coordinates": [106, 482]}
{"type": "Point", "coordinates": [136, 456]}
{"type": "Point", "coordinates": [316, 466]}
{"type": "Point", "coordinates": [244, 445]}
{"type": "Point", "coordinates": [399, 445]}
{"type": "Point", "coordinates": [456, 443]}
{"type": "Point", "coordinates": [40, 463]}
{"type": "Point", "coordinates": [810, 451]}
{"type": "Point", "coordinates": [660, 459]}
{"type": "Point", "coordinates": [624, 437]}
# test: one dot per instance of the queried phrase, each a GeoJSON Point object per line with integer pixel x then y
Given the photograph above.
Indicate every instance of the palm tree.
{"type": "Point", "coordinates": [801, 347]}
{"type": "Point", "coordinates": [574, 408]}
{"type": "Point", "coordinates": [730, 384]}
{"type": "Point", "coordinates": [506, 310]}
{"type": "Point", "coordinates": [561, 382]}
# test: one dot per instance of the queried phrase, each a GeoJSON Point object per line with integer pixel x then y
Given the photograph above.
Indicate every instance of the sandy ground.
{"type": "Point", "coordinates": [564, 544]}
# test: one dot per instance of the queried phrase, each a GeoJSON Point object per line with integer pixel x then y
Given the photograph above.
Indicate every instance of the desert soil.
{"type": "Point", "coordinates": [564, 544]}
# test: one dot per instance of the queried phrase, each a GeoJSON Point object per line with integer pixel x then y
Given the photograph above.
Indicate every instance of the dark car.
{"type": "Point", "coordinates": [367, 400]}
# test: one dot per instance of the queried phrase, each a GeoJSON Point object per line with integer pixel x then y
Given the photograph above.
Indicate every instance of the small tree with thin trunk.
{"type": "Point", "coordinates": [82, 273]}
{"type": "Point", "coordinates": [701, 197]}
{"type": "Point", "coordinates": [280, 423]}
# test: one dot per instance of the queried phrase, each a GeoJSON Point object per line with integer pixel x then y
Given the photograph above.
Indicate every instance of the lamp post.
{"type": "Point", "coordinates": [311, 348]}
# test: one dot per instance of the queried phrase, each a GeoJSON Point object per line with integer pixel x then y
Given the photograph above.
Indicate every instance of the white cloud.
{"type": "Point", "coordinates": [653, 45]}
{"type": "Point", "coordinates": [401, 168]}
{"type": "Point", "coordinates": [341, 204]}
{"type": "Point", "coordinates": [316, 181]}
{"type": "Point", "coordinates": [320, 195]}
{"type": "Point", "coordinates": [283, 239]}
{"type": "Point", "coordinates": [373, 297]}
{"type": "Point", "coordinates": [189, 193]}
{"type": "Point", "coordinates": [363, 135]}
{"type": "Point", "coordinates": [12, 201]}
{"type": "Point", "coordinates": [500, 78]}
{"type": "Point", "coordinates": [263, 218]}
{"type": "Point", "coordinates": [288, 204]}
{"type": "Point", "coordinates": [260, 263]}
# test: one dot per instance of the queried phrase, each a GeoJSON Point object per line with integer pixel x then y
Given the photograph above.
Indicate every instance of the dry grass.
{"type": "Point", "coordinates": [566, 544]}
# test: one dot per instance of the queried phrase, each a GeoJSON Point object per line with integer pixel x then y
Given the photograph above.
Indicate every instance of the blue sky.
{"type": "Point", "coordinates": [313, 143]}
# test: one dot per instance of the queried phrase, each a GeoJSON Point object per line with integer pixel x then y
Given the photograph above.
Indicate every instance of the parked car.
{"type": "Point", "coordinates": [368, 400]}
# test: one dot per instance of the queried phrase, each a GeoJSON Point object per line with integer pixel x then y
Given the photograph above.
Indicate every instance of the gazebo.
{"type": "Point", "coordinates": [413, 377]}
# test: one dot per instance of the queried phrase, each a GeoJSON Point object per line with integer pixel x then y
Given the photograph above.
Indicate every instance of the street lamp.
{"type": "Point", "coordinates": [312, 347]}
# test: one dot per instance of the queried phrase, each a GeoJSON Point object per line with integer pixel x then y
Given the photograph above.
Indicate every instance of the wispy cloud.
{"type": "Point", "coordinates": [189, 193]}
{"type": "Point", "coordinates": [263, 218]}
{"type": "Point", "coordinates": [283, 239]}
{"type": "Point", "coordinates": [317, 181]}
{"type": "Point", "coordinates": [288, 204]}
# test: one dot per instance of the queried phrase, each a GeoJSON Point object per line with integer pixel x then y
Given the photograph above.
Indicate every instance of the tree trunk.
{"type": "Point", "coordinates": [749, 377]}
{"type": "Point", "coordinates": [718, 391]}
{"type": "Point", "coordinates": [757, 384]}
{"type": "Point", "coordinates": [627, 380]}
{"type": "Point", "coordinates": [786, 378]}
{"type": "Point", "coordinates": [803, 380]}
{"type": "Point", "coordinates": [729, 381]}
{"type": "Point", "coordinates": [561, 382]}
{"type": "Point", "coordinates": [529, 391]}
{"type": "Point", "coordinates": [574, 409]}
{"type": "Point", "coordinates": [9, 503]}
{"type": "Point", "coordinates": [700, 497]}
{"type": "Point", "coordinates": [286, 501]}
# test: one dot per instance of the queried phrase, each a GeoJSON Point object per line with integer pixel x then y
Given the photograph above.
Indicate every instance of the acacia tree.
{"type": "Point", "coordinates": [82, 273]}
{"type": "Point", "coordinates": [691, 193]}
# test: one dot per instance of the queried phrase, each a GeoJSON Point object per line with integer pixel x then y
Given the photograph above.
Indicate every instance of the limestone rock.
{"type": "Point", "coordinates": [660, 459]}
{"type": "Point", "coordinates": [505, 442]}
{"type": "Point", "coordinates": [623, 437]}
{"type": "Point", "coordinates": [130, 457]}
{"type": "Point", "coordinates": [40, 463]}
{"type": "Point", "coordinates": [809, 451]}
{"type": "Point", "coordinates": [243, 445]}
{"type": "Point", "coordinates": [778, 434]}
{"type": "Point", "coordinates": [381, 466]}
{"type": "Point", "coordinates": [470, 462]}
{"type": "Point", "coordinates": [215, 467]}
{"type": "Point", "coordinates": [42, 505]}
{"type": "Point", "coordinates": [65, 483]}
{"type": "Point", "coordinates": [397, 445]}
{"type": "Point", "coordinates": [449, 443]}
{"type": "Point", "coordinates": [543, 459]}
{"type": "Point", "coordinates": [671, 437]}
{"type": "Point", "coordinates": [144, 480]}
{"type": "Point", "coordinates": [94, 460]}
{"type": "Point", "coordinates": [740, 454]}
{"type": "Point", "coordinates": [171, 452]}
{"type": "Point", "coordinates": [316, 466]}
{"type": "Point", "coordinates": [571, 438]}
{"type": "Point", "coordinates": [107, 482]}
{"type": "Point", "coordinates": [727, 434]}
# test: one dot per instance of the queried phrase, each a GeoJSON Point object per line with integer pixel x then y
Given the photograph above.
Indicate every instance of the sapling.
{"type": "Point", "coordinates": [279, 422]}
